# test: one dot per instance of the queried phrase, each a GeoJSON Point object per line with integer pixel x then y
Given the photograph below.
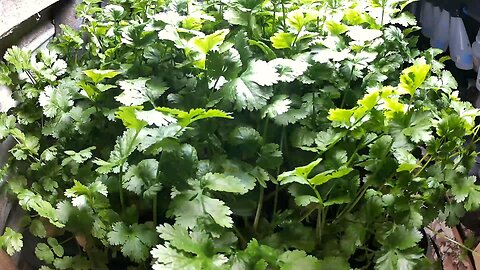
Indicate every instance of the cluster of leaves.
{"type": "Point", "coordinates": [236, 134]}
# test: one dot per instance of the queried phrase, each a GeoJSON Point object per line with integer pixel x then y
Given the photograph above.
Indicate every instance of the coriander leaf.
{"type": "Point", "coordinates": [55, 101]}
{"type": "Point", "coordinates": [19, 58]}
{"type": "Point", "coordinates": [97, 75]}
{"type": "Point", "coordinates": [250, 90]}
{"type": "Point", "coordinates": [124, 147]}
{"type": "Point", "coordinates": [179, 238]}
{"type": "Point", "coordinates": [226, 183]}
{"type": "Point", "coordinates": [358, 33]}
{"type": "Point", "coordinates": [209, 42]}
{"type": "Point", "coordinates": [282, 40]}
{"type": "Point", "coordinates": [142, 177]}
{"type": "Point", "coordinates": [135, 240]}
{"type": "Point", "coordinates": [128, 115]}
{"type": "Point", "coordinates": [326, 176]}
{"type": "Point", "coordinates": [154, 117]}
{"type": "Point", "coordinates": [270, 156]}
{"type": "Point", "coordinates": [280, 104]}
{"type": "Point", "coordinates": [325, 139]}
{"type": "Point", "coordinates": [79, 157]}
{"type": "Point", "coordinates": [56, 247]}
{"type": "Point", "coordinates": [138, 91]}
{"type": "Point", "coordinates": [406, 161]}
{"type": "Point", "coordinates": [336, 28]}
{"type": "Point", "coordinates": [187, 118]}
{"type": "Point", "coordinates": [78, 263]}
{"type": "Point", "coordinates": [38, 229]}
{"type": "Point", "coordinates": [44, 253]}
{"type": "Point", "coordinates": [188, 210]}
{"type": "Point", "coordinates": [412, 78]}
{"type": "Point", "coordinates": [7, 124]}
{"type": "Point", "coordinates": [393, 259]}
{"type": "Point", "coordinates": [298, 259]}
{"type": "Point", "coordinates": [288, 70]}
{"type": "Point", "coordinates": [11, 241]}
{"type": "Point", "coordinates": [402, 238]}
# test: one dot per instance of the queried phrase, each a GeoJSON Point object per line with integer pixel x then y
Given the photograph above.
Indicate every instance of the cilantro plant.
{"type": "Point", "coordinates": [236, 134]}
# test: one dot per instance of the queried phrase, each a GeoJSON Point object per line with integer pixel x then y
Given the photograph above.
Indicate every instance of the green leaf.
{"type": "Point", "coordinates": [412, 78]}
{"type": "Point", "coordinates": [191, 205]}
{"type": "Point", "coordinates": [304, 171]}
{"type": "Point", "coordinates": [38, 229]}
{"type": "Point", "coordinates": [288, 70]}
{"type": "Point", "coordinates": [325, 139]}
{"type": "Point", "coordinates": [138, 91]}
{"type": "Point", "coordinates": [11, 241]}
{"type": "Point", "coordinates": [297, 19]}
{"type": "Point", "coordinates": [78, 157]}
{"type": "Point", "coordinates": [406, 161]}
{"type": "Point", "coordinates": [358, 33]}
{"type": "Point", "coordinates": [279, 104]}
{"type": "Point", "coordinates": [44, 253]}
{"type": "Point", "coordinates": [270, 156]}
{"type": "Point", "coordinates": [226, 183]}
{"type": "Point", "coordinates": [55, 101]}
{"type": "Point", "coordinates": [187, 118]}
{"type": "Point", "coordinates": [135, 240]}
{"type": "Point", "coordinates": [298, 259]}
{"type": "Point", "coordinates": [181, 156]}
{"type": "Point", "coordinates": [7, 125]}
{"type": "Point", "coordinates": [335, 263]}
{"type": "Point", "coordinates": [336, 28]}
{"type": "Point", "coordinates": [124, 147]}
{"type": "Point", "coordinates": [97, 75]}
{"type": "Point", "coordinates": [282, 40]}
{"type": "Point", "coordinates": [142, 177]}
{"type": "Point", "coordinates": [128, 115]}
{"type": "Point", "coordinates": [56, 247]}
{"type": "Point", "coordinates": [19, 58]}
{"type": "Point", "coordinates": [402, 238]}
{"type": "Point", "coordinates": [394, 260]}
{"type": "Point", "coordinates": [326, 176]}
{"type": "Point", "coordinates": [209, 42]}
{"type": "Point", "coordinates": [250, 90]}
{"type": "Point", "coordinates": [179, 238]}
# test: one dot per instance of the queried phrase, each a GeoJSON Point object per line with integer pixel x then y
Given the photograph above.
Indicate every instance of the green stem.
{"type": "Point", "coordinates": [319, 224]}
{"type": "Point", "coordinates": [353, 204]}
{"type": "Point", "coordinates": [308, 213]}
{"type": "Point", "coordinates": [424, 166]}
{"type": "Point", "coordinates": [347, 90]}
{"type": "Point", "coordinates": [274, 23]}
{"type": "Point", "coordinates": [284, 13]}
{"type": "Point", "coordinates": [277, 188]}
{"type": "Point", "coordinates": [383, 14]}
{"type": "Point", "coordinates": [243, 240]}
{"type": "Point", "coordinates": [259, 209]}
{"type": "Point", "coordinates": [122, 199]}
{"type": "Point", "coordinates": [155, 214]}
{"type": "Point", "coordinates": [129, 149]}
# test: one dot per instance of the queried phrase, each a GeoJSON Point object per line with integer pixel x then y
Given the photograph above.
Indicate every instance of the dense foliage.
{"type": "Point", "coordinates": [236, 134]}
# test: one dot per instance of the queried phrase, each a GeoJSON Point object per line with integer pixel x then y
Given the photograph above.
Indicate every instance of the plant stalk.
{"type": "Point", "coordinates": [319, 224]}
{"type": "Point", "coordinates": [259, 209]}
{"type": "Point", "coordinates": [155, 214]}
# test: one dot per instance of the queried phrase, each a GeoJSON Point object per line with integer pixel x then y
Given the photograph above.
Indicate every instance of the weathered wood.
{"type": "Point", "coordinates": [6, 262]}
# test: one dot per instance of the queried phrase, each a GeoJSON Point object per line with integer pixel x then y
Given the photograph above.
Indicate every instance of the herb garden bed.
{"type": "Point", "coordinates": [240, 134]}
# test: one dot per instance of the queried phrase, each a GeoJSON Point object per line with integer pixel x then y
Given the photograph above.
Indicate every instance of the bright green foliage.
{"type": "Point", "coordinates": [253, 134]}
{"type": "Point", "coordinates": [135, 240]}
{"type": "Point", "coordinates": [11, 241]}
